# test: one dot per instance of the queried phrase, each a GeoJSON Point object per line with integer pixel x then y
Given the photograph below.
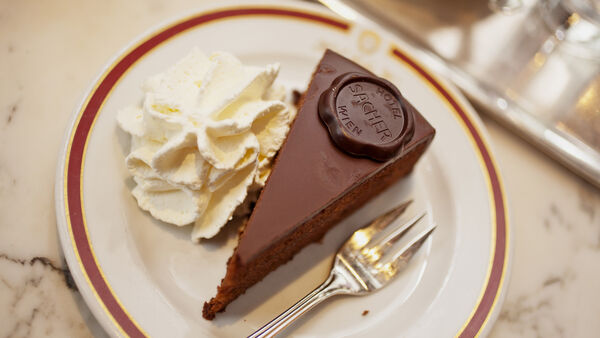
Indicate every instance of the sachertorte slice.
{"type": "Point", "coordinates": [354, 135]}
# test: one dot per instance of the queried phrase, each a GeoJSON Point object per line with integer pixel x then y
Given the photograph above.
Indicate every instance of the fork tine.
{"type": "Point", "coordinates": [362, 237]}
{"type": "Point", "coordinates": [396, 234]}
{"type": "Point", "coordinates": [405, 254]}
{"type": "Point", "coordinates": [390, 216]}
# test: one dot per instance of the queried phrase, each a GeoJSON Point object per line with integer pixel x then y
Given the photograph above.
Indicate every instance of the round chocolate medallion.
{"type": "Point", "coordinates": [365, 116]}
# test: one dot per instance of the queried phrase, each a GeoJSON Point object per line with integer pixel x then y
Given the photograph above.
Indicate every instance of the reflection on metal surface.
{"type": "Point", "coordinates": [505, 6]}
{"type": "Point", "coordinates": [344, 11]}
{"type": "Point", "coordinates": [539, 59]}
{"type": "Point", "coordinates": [584, 121]}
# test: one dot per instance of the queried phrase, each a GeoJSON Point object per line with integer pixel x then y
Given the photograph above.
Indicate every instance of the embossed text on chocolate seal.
{"type": "Point", "coordinates": [366, 116]}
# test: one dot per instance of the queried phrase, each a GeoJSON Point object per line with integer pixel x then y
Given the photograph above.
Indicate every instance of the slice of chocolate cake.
{"type": "Point", "coordinates": [354, 136]}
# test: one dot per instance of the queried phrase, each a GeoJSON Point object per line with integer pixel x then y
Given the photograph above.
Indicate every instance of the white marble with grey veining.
{"type": "Point", "coordinates": [553, 290]}
{"type": "Point", "coordinates": [49, 53]}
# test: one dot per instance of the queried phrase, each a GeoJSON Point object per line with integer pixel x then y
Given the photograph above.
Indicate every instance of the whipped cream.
{"type": "Point", "coordinates": [205, 133]}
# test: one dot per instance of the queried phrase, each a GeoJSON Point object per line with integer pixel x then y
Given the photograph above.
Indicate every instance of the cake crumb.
{"type": "Point", "coordinates": [296, 95]}
{"type": "Point", "coordinates": [366, 312]}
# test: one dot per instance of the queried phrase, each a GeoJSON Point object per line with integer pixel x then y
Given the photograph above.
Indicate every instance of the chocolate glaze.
{"type": "Point", "coordinates": [366, 116]}
{"type": "Point", "coordinates": [311, 171]}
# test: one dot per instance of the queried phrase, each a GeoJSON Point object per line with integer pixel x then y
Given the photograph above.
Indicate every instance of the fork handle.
{"type": "Point", "coordinates": [334, 285]}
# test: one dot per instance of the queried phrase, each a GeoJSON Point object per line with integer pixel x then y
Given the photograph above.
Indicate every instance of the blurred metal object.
{"type": "Point", "coordinates": [575, 22]}
{"type": "Point", "coordinates": [535, 70]}
{"type": "Point", "coordinates": [505, 6]}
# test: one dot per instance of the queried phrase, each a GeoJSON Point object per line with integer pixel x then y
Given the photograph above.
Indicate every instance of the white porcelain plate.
{"type": "Point", "coordinates": [143, 277]}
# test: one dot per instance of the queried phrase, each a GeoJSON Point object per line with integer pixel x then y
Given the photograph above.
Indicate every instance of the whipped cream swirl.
{"type": "Point", "coordinates": [205, 133]}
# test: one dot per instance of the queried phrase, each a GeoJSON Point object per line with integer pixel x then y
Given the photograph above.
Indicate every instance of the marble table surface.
{"type": "Point", "coordinates": [51, 50]}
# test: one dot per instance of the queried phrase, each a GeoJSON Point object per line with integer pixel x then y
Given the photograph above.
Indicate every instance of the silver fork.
{"type": "Point", "coordinates": [365, 263]}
